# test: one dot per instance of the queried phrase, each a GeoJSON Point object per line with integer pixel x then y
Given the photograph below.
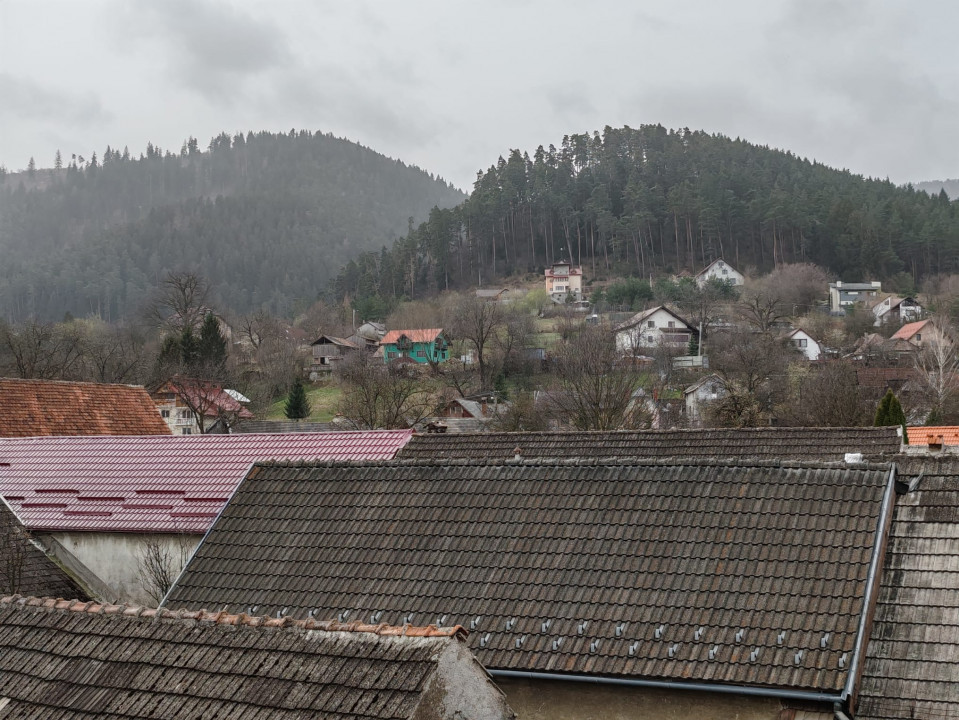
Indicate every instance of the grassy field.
{"type": "Point", "coordinates": [323, 400]}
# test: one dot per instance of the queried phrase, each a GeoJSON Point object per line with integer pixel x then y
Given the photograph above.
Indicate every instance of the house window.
{"type": "Point", "coordinates": [725, 271]}
{"type": "Point", "coordinates": [184, 414]}
{"type": "Point", "coordinates": [671, 324]}
{"type": "Point", "coordinates": [650, 323]}
{"type": "Point", "coordinates": [801, 342]}
{"type": "Point", "coordinates": [187, 431]}
{"type": "Point", "coordinates": [421, 353]}
{"type": "Point", "coordinates": [649, 339]}
{"type": "Point", "coordinates": [391, 354]}
{"type": "Point", "coordinates": [165, 413]}
{"type": "Point", "coordinates": [918, 337]}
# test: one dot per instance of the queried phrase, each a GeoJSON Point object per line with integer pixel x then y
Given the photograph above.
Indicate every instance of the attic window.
{"type": "Point", "coordinates": [650, 323]}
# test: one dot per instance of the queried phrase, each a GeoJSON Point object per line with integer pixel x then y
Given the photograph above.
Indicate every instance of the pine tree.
{"type": "Point", "coordinates": [211, 347]}
{"type": "Point", "coordinates": [58, 161]}
{"type": "Point", "coordinates": [31, 167]}
{"type": "Point", "coordinates": [297, 404]}
{"type": "Point", "coordinates": [889, 412]}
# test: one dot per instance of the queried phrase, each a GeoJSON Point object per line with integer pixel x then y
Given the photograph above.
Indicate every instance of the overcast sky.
{"type": "Point", "coordinates": [449, 85]}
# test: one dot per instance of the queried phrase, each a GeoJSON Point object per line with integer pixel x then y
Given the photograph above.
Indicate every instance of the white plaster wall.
{"type": "Point", "coordinates": [115, 558]}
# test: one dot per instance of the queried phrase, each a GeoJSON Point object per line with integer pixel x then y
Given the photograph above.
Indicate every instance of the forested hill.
{"type": "Point", "coordinates": [648, 200]}
{"type": "Point", "coordinates": [266, 218]}
{"type": "Point", "coordinates": [934, 187]}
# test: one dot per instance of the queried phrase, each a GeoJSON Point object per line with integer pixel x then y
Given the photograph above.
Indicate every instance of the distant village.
{"type": "Point", "coordinates": [644, 530]}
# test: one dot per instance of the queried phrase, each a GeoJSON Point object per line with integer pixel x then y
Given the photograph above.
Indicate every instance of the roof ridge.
{"type": "Point", "coordinates": [224, 618]}
{"type": "Point", "coordinates": [41, 381]}
{"type": "Point", "coordinates": [610, 461]}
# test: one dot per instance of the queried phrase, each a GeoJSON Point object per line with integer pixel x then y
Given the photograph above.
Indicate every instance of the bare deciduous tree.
{"type": "Point", "coordinates": [43, 351]}
{"type": "Point", "coordinates": [14, 539]}
{"type": "Point", "coordinates": [594, 387]}
{"type": "Point", "coordinates": [477, 322]}
{"type": "Point", "coordinates": [826, 396]}
{"type": "Point", "coordinates": [159, 562]}
{"type": "Point", "coordinates": [937, 364]}
{"type": "Point", "coordinates": [380, 396]}
{"type": "Point", "coordinates": [180, 301]}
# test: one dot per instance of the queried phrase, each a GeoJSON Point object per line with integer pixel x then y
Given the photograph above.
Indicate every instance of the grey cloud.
{"type": "Point", "coordinates": [24, 99]}
{"type": "Point", "coordinates": [214, 47]}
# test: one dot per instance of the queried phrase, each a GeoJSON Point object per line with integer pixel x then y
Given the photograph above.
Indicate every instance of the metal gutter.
{"type": "Point", "coordinates": [207, 533]}
{"type": "Point", "coordinates": [674, 685]}
{"type": "Point", "coordinates": [885, 511]}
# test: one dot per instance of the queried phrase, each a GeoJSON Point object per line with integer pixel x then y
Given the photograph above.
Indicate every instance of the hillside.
{"type": "Point", "coordinates": [266, 218]}
{"type": "Point", "coordinates": [934, 187]}
{"type": "Point", "coordinates": [647, 201]}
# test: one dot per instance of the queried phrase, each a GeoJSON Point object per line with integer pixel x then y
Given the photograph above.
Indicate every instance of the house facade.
{"type": "Point", "coordinates": [720, 270]}
{"type": "Point", "coordinates": [843, 295]}
{"type": "Point", "coordinates": [806, 344]}
{"type": "Point", "coordinates": [896, 310]}
{"type": "Point", "coordinates": [922, 334]}
{"type": "Point", "coordinates": [421, 346]}
{"type": "Point", "coordinates": [656, 327]}
{"type": "Point", "coordinates": [699, 394]}
{"type": "Point", "coordinates": [564, 280]}
{"type": "Point", "coordinates": [327, 351]}
{"type": "Point", "coordinates": [191, 407]}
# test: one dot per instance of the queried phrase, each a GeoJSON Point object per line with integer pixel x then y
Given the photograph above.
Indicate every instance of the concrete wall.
{"type": "Point", "coordinates": [554, 700]}
{"type": "Point", "coordinates": [117, 558]}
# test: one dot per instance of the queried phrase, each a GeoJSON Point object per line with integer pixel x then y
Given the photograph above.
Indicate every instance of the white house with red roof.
{"type": "Point", "coordinates": [117, 511]}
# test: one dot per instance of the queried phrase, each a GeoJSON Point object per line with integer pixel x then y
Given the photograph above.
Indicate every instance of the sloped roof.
{"type": "Point", "coordinates": [206, 397]}
{"type": "Point", "coordinates": [85, 661]}
{"type": "Point", "coordinates": [885, 377]}
{"type": "Point", "coordinates": [923, 435]}
{"type": "Point", "coordinates": [417, 336]}
{"type": "Point", "coordinates": [37, 573]}
{"type": "Point", "coordinates": [176, 483]}
{"type": "Point", "coordinates": [635, 569]}
{"type": "Point", "coordinates": [279, 426]}
{"type": "Point", "coordinates": [912, 660]}
{"type": "Point", "coordinates": [329, 339]}
{"type": "Point", "coordinates": [717, 260]}
{"type": "Point", "coordinates": [909, 329]}
{"type": "Point", "coordinates": [644, 314]}
{"type": "Point", "coordinates": [53, 407]}
{"type": "Point", "coordinates": [769, 443]}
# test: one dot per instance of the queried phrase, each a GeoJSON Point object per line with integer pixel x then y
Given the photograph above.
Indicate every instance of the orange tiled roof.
{"type": "Point", "coordinates": [417, 336]}
{"type": "Point", "coordinates": [33, 408]}
{"type": "Point", "coordinates": [923, 435]}
{"type": "Point", "coordinates": [909, 329]}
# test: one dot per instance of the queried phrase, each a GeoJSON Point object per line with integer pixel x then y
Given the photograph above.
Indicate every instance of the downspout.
{"type": "Point", "coordinates": [872, 582]}
{"type": "Point", "coordinates": [205, 535]}
{"type": "Point", "coordinates": [802, 695]}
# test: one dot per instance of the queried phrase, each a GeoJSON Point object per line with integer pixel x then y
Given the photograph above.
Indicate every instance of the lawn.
{"type": "Point", "coordinates": [323, 400]}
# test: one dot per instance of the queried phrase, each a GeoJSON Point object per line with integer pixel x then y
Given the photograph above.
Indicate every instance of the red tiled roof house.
{"type": "Point", "coordinates": [31, 408]}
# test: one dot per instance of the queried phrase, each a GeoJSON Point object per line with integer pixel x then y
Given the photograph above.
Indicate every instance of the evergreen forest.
{"type": "Point", "coordinates": [649, 201]}
{"type": "Point", "coordinates": [266, 218]}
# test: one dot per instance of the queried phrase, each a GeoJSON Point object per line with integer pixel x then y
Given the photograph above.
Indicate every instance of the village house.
{"type": "Point", "coordinates": [421, 346]}
{"type": "Point", "coordinates": [31, 408]}
{"type": "Point", "coordinates": [720, 270]}
{"type": "Point", "coordinates": [564, 281]}
{"type": "Point", "coordinates": [587, 611]}
{"type": "Point", "coordinates": [469, 414]}
{"type": "Point", "coordinates": [894, 310]}
{"type": "Point", "coordinates": [191, 407]}
{"type": "Point", "coordinates": [106, 507]}
{"type": "Point", "coordinates": [653, 328]}
{"type": "Point", "coordinates": [806, 344]}
{"type": "Point", "coordinates": [699, 394]}
{"type": "Point", "coordinates": [70, 659]}
{"type": "Point", "coordinates": [922, 334]}
{"type": "Point", "coordinates": [843, 295]}
{"type": "Point", "coordinates": [327, 351]}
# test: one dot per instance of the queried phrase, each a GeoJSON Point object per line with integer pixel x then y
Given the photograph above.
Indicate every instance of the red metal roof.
{"type": "Point", "coordinates": [174, 483]}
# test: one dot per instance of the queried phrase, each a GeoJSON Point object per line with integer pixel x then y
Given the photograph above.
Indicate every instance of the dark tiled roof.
{"type": "Point", "coordinates": [270, 427]}
{"type": "Point", "coordinates": [634, 569]}
{"type": "Point", "coordinates": [912, 661]}
{"type": "Point", "coordinates": [818, 444]}
{"type": "Point", "coordinates": [38, 574]}
{"type": "Point", "coordinates": [46, 407]}
{"type": "Point", "coordinates": [84, 660]}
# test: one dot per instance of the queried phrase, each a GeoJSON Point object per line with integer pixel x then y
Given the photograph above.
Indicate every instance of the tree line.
{"type": "Point", "coordinates": [649, 201]}
{"type": "Point", "coordinates": [266, 217]}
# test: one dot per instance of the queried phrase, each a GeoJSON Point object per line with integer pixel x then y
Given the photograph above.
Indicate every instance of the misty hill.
{"type": "Point", "coordinates": [641, 201]}
{"type": "Point", "coordinates": [266, 218]}
{"type": "Point", "coordinates": [933, 187]}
